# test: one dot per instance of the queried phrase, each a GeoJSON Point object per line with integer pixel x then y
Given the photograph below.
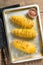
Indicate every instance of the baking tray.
{"type": "Point", "coordinates": [17, 56]}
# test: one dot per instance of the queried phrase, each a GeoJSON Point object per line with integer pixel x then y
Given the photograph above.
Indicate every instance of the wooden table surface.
{"type": "Point", "coordinates": [23, 3]}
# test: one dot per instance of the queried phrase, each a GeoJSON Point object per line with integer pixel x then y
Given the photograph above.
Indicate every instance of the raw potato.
{"type": "Point", "coordinates": [24, 33]}
{"type": "Point", "coordinates": [22, 21]}
{"type": "Point", "coordinates": [24, 46]}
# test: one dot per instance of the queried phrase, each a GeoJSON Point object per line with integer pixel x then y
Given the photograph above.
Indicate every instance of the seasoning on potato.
{"type": "Point", "coordinates": [22, 21]}
{"type": "Point", "coordinates": [24, 33]}
{"type": "Point", "coordinates": [24, 46]}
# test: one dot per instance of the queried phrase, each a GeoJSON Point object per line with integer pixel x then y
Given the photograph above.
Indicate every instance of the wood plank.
{"type": "Point", "coordinates": [38, 62]}
{"type": "Point", "coordinates": [22, 3]}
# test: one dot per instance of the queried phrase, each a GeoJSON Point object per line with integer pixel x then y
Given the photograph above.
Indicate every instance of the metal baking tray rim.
{"type": "Point", "coordinates": [35, 5]}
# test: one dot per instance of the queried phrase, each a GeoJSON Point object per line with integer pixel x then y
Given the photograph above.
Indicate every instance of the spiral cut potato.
{"type": "Point", "coordinates": [24, 46]}
{"type": "Point", "coordinates": [22, 21]}
{"type": "Point", "coordinates": [24, 33]}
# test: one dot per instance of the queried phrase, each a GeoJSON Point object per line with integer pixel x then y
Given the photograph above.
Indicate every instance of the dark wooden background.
{"type": "Point", "coordinates": [23, 3]}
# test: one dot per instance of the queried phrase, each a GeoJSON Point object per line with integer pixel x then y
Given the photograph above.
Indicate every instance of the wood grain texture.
{"type": "Point", "coordinates": [23, 3]}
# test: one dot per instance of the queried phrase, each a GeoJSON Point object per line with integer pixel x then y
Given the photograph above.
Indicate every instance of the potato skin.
{"type": "Point", "coordinates": [22, 21]}
{"type": "Point", "coordinates": [24, 33]}
{"type": "Point", "coordinates": [24, 46]}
